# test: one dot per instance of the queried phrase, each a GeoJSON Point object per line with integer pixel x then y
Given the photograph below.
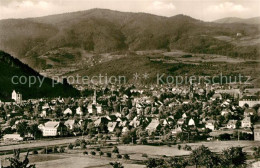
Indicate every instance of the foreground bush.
{"type": "Point", "coordinates": [115, 149]}
{"type": "Point", "coordinates": [126, 156]}
{"type": "Point", "coordinates": [116, 165]}
{"type": "Point", "coordinates": [109, 154]}
{"type": "Point", "coordinates": [70, 146]}
{"type": "Point", "coordinates": [93, 153]}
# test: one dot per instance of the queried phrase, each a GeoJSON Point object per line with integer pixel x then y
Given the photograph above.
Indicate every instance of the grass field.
{"type": "Point", "coordinates": [218, 146]}
{"type": "Point", "coordinates": [75, 158]}
{"type": "Point", "coordinates": [152, 151]}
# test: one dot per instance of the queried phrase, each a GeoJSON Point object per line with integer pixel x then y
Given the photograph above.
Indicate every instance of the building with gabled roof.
{"type": "Point", "coordinates": [153, 126]}
{"type": "Point", "coordinates": [232, 124]}
{"type": "Point", "coordinates": [51, 128]}
{"type": "Point", "coordinates": [251, 101]}
{"type": "Point", "coordinates": [111, 126]}
{"type": "Point", "coordinates": [246, 122]}
{"type": "Point", "coordinates": [67, 111]}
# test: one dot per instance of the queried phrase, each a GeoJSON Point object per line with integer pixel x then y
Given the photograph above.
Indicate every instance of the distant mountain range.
{"type": "Point", "coordinates": [10, 67]}
{"type": "Point", "coordinates": [254, 20]}
{"type": "Point", "coordinates": [67, 39]}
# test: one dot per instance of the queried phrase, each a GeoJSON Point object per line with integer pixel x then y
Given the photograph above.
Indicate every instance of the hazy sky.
{"type": "Point", "coordinates": [207, 10]}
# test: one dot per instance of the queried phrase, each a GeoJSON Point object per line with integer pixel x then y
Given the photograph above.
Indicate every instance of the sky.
{"type": "Point", "coordinates": [207, 10]}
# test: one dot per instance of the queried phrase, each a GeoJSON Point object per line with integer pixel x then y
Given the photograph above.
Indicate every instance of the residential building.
{"type": "Point", "coordinates": [246, 122]}
{"type": "Point", "coordinates": [153, 126]}
{"type": "Point", "coordinates": [79, 111]}
{"type": "Point", "coordinates": [111, 126]}
{"type": "Point", "coordinates": [67, 111]}
{"type": "Point", "coordinates": [12, 137]}
{"type": "Point", "coordinates": [251, 101]}
{"type": "Point", "coordinates": [232, 124]}
{"type": "Point", "coordinates": [191, 122]}
{"type": "Point", "coordinates": [51, 128]}
{"type": "Point", "coordinates": [69, 124]}
{"type": "Point", "coordinates": [210, 124]}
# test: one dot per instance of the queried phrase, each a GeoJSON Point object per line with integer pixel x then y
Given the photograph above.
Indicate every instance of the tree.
{"type": "Point", "coordinates": [35, 131]}
{"type": "Point", "coordinates": [115, 149]}
{"type": "Point", "coordinates": [178, 162]}
{"type": "Point", "coordinates": [101, 153]}
{"type": "Point", "coordinates": [118, 132]}
{"type": "Point", "coordinates": [70, 146]}
{"type": "Point", "coordinates": [16, 163]}
{"type": "Point", "coordinates": [152, 163]}
{"type": "Point", "coordinates": [179, 147]}
{"type": "Point", "coordinates": [256, 152]}
{"type": "Point", "coordinates": [233, 156]}
{"type": "Point", "coordinates": [116, 165]}
{"type": "Point", "coordinates": [143, 140]}
{"type": "Point", "coordinates": [129, 137]}
{"type": "Point", "coordinates": [22, 128]}
{"type": "Point", "coordinates": [203, 156]}
{"type": "Point", "coordinates": [91, 129]}
{"type": "Point", "coordinates": [93, 153]}
{"type": "Point", "coordinates": [126, 156]}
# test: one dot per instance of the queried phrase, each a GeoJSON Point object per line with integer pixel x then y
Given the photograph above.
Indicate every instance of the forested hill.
{"type": "Point", "coordinates": [38, 41]}
{"type": "Point", "coordinates": [10, 67]}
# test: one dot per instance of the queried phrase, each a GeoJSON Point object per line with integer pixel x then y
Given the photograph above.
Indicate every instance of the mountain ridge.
{"type": "Point", "coordinates": [253, 20]}
{"type": "Point", "coordinates": [34, 40]}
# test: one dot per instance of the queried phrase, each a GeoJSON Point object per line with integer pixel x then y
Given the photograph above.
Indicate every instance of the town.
{"type": "Point", "coordinates": [141, 115]}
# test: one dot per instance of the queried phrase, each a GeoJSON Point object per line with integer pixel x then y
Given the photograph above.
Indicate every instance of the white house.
{"type": "Point", "coordinates": [176, 130]}
{"type": "Point", "coordinates": [210, 124]}
{"type": "Point", "coordinates": [152, 127]}
{"type": "Point", "coordinates": [45, 106]}
{"type": "Point", "coordinates": [225, 112]}
{"type": "Point", "coordinates": [180, 121]}
{"type": "Point", "coordinates": [69, 124]}
{"type": "Point", "coordinates": [111, 126]}
{"type": "Point", "coordinates": [90, 108]}
{"type": "Point", "coordinates": [43, 113]}
{"type": "Point", "coordinates": [216, 96]}
{"type": "Point", "coordinates": [135, 122]}
{"type": "Point", "coordinates": [191, 122]}
{"type": "Point", "coordinates": [184, 116]}
{"type": "Point", "coordinates": [246, 122]}
{"type": "Point", "coordinates": [251, 101]}
{"type": "Point", "coordinates": [67, 111]}
{"type": "Point", "coordinates": [12, 137]}
{"type": "Point", "coordinates": [79, 111]}
{"type": "Point", "coordinates": [232, 124]}
{"type": "Point", "coordinates": [41, 127]}
{"type": "Point", "coordinates": [51, 128]}
{"type": "Point", "coordinates": [99, 108]}
{"type": "Point", "coordinates": [125, 130]}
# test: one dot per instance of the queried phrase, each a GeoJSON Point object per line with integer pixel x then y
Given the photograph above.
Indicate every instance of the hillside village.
{"type": "Point", "coordinates": [138, 114]}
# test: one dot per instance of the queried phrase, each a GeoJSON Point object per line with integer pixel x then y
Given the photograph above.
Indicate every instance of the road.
{"type": "Point", "coordinates": [39, 143]}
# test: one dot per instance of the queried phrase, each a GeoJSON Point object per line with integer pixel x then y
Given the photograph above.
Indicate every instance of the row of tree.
{"type": "Point", "coordinates": [202, 156]}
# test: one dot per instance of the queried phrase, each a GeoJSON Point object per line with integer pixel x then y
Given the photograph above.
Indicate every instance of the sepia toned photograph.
{"type": "Point", "coordinates": [129, 83]}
